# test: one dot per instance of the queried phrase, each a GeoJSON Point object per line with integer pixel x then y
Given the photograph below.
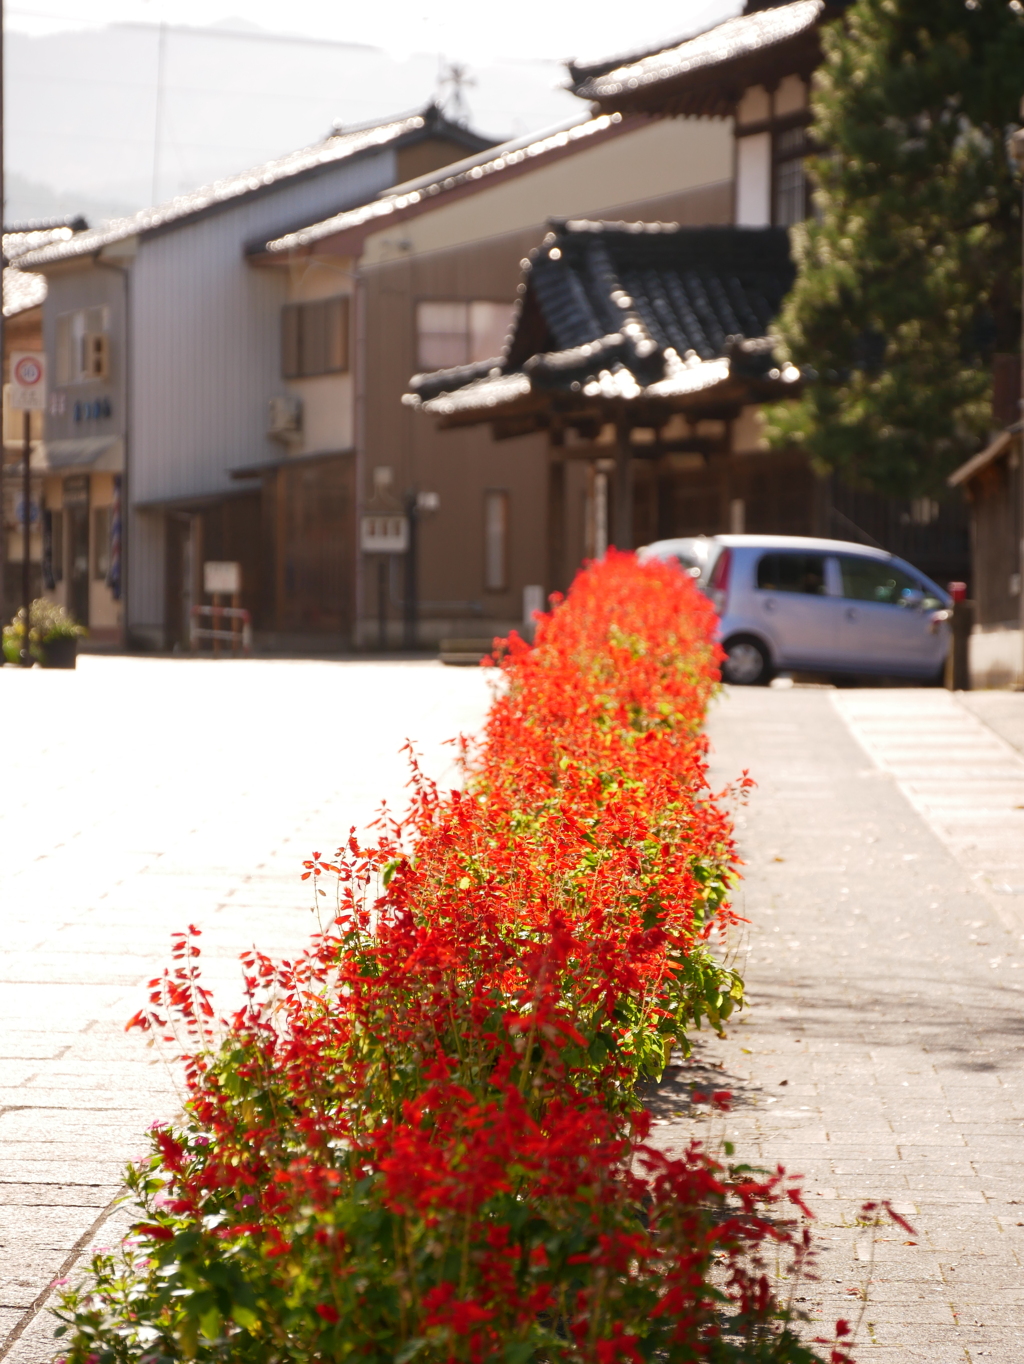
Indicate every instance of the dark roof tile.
{"type": "Point", "coordinates": [627, 306]}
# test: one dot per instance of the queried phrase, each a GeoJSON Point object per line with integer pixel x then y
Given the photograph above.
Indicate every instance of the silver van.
{"type": "Point", "coordinates": [794, 603]}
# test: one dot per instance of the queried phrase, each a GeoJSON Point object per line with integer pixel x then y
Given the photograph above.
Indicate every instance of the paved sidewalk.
{"type": "Point", "coordinates": [882, 1057]}
{"type": "Point", "coordinates": [136, 796]}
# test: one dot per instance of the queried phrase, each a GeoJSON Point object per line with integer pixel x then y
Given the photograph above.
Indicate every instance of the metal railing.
{"type": "Point", "coordinates": [236, 638]}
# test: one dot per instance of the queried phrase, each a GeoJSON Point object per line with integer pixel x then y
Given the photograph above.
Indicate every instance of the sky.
{"type": "Point", "coordinates": [87, 133]}
{"type": "Point", "coordinates": [464, 29]}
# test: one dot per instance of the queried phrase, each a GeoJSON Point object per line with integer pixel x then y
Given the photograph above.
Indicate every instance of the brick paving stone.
{"type": "Point", "coordinates": [875, 921]}
{"type": "Point", "coordinates": [171, 791]}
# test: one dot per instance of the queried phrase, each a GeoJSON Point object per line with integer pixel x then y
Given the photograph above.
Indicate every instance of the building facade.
{"type": "Point", "coordinates": [165, 351]}
{"type": "Point", "coordinates": [437, 264]}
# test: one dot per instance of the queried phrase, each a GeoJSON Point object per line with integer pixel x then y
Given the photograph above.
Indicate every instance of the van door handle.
{"type": "Point", "coordinates": [769, 603]}
{"type": "Point", "coordinates": [852, 613]}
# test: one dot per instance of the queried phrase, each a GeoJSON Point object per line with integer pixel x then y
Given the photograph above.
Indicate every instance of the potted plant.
{"type": "Point", "coordinates": [52, 637]}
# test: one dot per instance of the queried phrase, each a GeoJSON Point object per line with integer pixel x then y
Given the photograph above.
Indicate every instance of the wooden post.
{"type": "Point", "coordinates": [958, 662]}
{"type": "Point", "coordinates": [556, 523]}
{"type": "Point", "coordinates": [236, 623]}
{"type": "Point", "coordinates": [623, 489]}
{"type": "Point", "coordinates": [216, 623]}
{"type": "Point", "coordinates": [26, 539]}
{"type": "Point", "coordinates": [383, 567]}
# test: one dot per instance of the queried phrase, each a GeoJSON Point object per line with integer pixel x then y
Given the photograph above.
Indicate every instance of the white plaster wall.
{"type": "Point", "coordinates": [658, 158]}
{"type": "Point", "coordinates": [754, 180]}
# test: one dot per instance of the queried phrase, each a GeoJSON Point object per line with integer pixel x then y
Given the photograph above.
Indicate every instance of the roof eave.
{"type": "Point", "coordinates": [712, 91]}
{"type": "Point", "coordinates": [734, 391]}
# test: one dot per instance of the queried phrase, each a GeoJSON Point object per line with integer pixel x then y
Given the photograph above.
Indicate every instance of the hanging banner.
{"type": "Point", "coordinates": [114, 571]}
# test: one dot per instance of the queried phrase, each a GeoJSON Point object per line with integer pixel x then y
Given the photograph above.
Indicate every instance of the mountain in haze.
{"type": "Point", "coordinates": [84, 125]}
{"type": "Point", "coordinates": [29, 200]}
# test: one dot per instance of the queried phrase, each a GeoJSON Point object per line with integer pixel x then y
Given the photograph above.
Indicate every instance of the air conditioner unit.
{"type": "Point", "coordinates": [95, 355]}
{"type": "Point", "coordinates": [285, 417]}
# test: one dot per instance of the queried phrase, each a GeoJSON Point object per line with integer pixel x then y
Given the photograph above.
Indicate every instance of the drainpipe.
{"type": "Point", "coordinates": [359, 440]}
{"type": "Point", "coordinates": [126, 277]}
{"type": "Point", "coordinates": [1017, 152]}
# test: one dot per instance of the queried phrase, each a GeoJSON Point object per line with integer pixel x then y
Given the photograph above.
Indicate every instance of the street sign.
{"type": "Point", "coordinates": [384, 534]}
{"type": "Point", "coordinates": [28, 381]}
{"type": "Point", "coordinates": [222, 576]}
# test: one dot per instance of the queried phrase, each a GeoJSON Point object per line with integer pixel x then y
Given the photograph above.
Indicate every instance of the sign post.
{"type": "Point", "coordinates": [28, 395]}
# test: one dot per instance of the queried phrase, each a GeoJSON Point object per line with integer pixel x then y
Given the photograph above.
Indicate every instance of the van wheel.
{"type": "Point", "coordinates": [746, 662]}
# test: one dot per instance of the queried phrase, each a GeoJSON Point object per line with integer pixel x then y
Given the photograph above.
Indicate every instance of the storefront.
{"type": "Point", "coordinates": [80, 540]}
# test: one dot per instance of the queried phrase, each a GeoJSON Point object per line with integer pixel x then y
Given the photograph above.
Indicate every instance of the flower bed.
{"type": "Point", "coordinates": [422, 1140]}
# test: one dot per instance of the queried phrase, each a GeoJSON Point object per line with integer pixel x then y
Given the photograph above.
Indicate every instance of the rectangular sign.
{"type": "Point", "coordinates": [385, 534]}
{"type": "Point", "coordinates": [28, 381]}
{"type": "Point", "coordinates": [222, 577]}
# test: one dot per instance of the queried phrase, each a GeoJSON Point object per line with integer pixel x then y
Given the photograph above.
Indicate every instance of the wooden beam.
{"type": "Point", "coordinates": [556, 526]}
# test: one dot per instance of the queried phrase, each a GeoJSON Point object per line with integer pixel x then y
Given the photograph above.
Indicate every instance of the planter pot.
{"type": "Point", "coordinates": [59, 653]}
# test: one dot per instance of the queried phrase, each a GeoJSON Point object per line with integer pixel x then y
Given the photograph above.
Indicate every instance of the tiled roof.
{"type": "Point", "coordinates": [504, 158]}
{"type": "Point", "coordinates": [628, 310]}
{"type": "Point", "coordinates": [20, 238]}
{"type": "Point", "coordinates": [22, 291]}
{"type": "Point", "coordinates": [748, 36]}
{"type": "Point", "coordinates": [337, 147]}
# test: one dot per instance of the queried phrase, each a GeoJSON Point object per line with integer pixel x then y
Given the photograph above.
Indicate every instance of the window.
{"type": "Point", "coordinates": [790, 188]}
{"type": "Point", "coordinates": [495, 541]}
{"type": "Point", "coordinates": [100, 543]}
{"type": "Point", "coordinates": [82, 345]}
{"type": "Point", "coordinates": [804, 573]}
{"type": "Point", "coordinates": [314, 338]}
{"type": "Point", "coordinates": [450, 334]}
{"type": "Point", "coordinates": [878, 581]}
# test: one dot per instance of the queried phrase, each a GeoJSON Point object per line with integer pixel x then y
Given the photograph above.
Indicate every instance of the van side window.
{"type": "Point", "coordinates": [875, 580]}
{"type": "Point", "coordinates": [792, 573]}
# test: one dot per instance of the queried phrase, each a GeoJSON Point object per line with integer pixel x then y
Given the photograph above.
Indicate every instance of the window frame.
{"type": "Point", "coordinates": [70, 343]}
{"type": "Point", "coordinates": [784, 157]}
{"type": "Point", "coordinates": [928, 600]}
{"type": "Point", "coordinates": [794, 554]}
{"type": "Point", "coordinates": [468, 334]}
{"type": "Point", "coordinates": [309, 347]}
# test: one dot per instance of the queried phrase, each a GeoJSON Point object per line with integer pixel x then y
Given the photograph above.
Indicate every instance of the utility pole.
{"type": "Point", "coordinates": [1017, 152]}
{"type": "Point", "coordinates": [3, 357]}
{"type": "Point", "coordinates": [158, 118]}
{"type": "Point", "coordinates": [26, 534]}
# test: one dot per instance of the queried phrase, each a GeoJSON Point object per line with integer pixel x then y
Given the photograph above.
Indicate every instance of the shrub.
{"type": "Point", "coordinates": [422, 1140]}
{"type": "Point", "coordinates": [47, 622]}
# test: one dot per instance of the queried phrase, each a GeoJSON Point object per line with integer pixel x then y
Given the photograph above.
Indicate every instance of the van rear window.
{"type": "Point", "coordinates": [792, 573]}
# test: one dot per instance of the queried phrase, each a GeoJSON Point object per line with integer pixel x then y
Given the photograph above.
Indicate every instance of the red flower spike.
{"type": "Point", "coordinates": [506, 962]}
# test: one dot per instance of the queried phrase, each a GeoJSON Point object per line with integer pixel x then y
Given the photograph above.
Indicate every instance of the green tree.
{"type": "Point", "coordinates": [909, 274]}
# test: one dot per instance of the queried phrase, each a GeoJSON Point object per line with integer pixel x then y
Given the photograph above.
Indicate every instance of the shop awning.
{"type": "Point", "coordinates": [92, 454]}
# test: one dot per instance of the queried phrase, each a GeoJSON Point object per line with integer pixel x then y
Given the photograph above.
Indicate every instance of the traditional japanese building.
{"type": "Point", "coordinates": [641, 351]}
{"type": "Point", "coordinates": [640, 346]}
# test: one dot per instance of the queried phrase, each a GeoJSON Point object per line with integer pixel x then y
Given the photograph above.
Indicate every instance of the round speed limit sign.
{"type": "Point", "coordinates": [28, 381]}
{"type": "Point", "coordinates": [28, 371]}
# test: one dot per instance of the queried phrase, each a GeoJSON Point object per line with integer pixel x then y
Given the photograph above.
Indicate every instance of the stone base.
{"type": "Point", "coordinates": [997, 656]}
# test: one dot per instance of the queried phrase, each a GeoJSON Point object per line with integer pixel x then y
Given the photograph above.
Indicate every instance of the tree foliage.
{"type": "Point", "coordinates": [908, 276]}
